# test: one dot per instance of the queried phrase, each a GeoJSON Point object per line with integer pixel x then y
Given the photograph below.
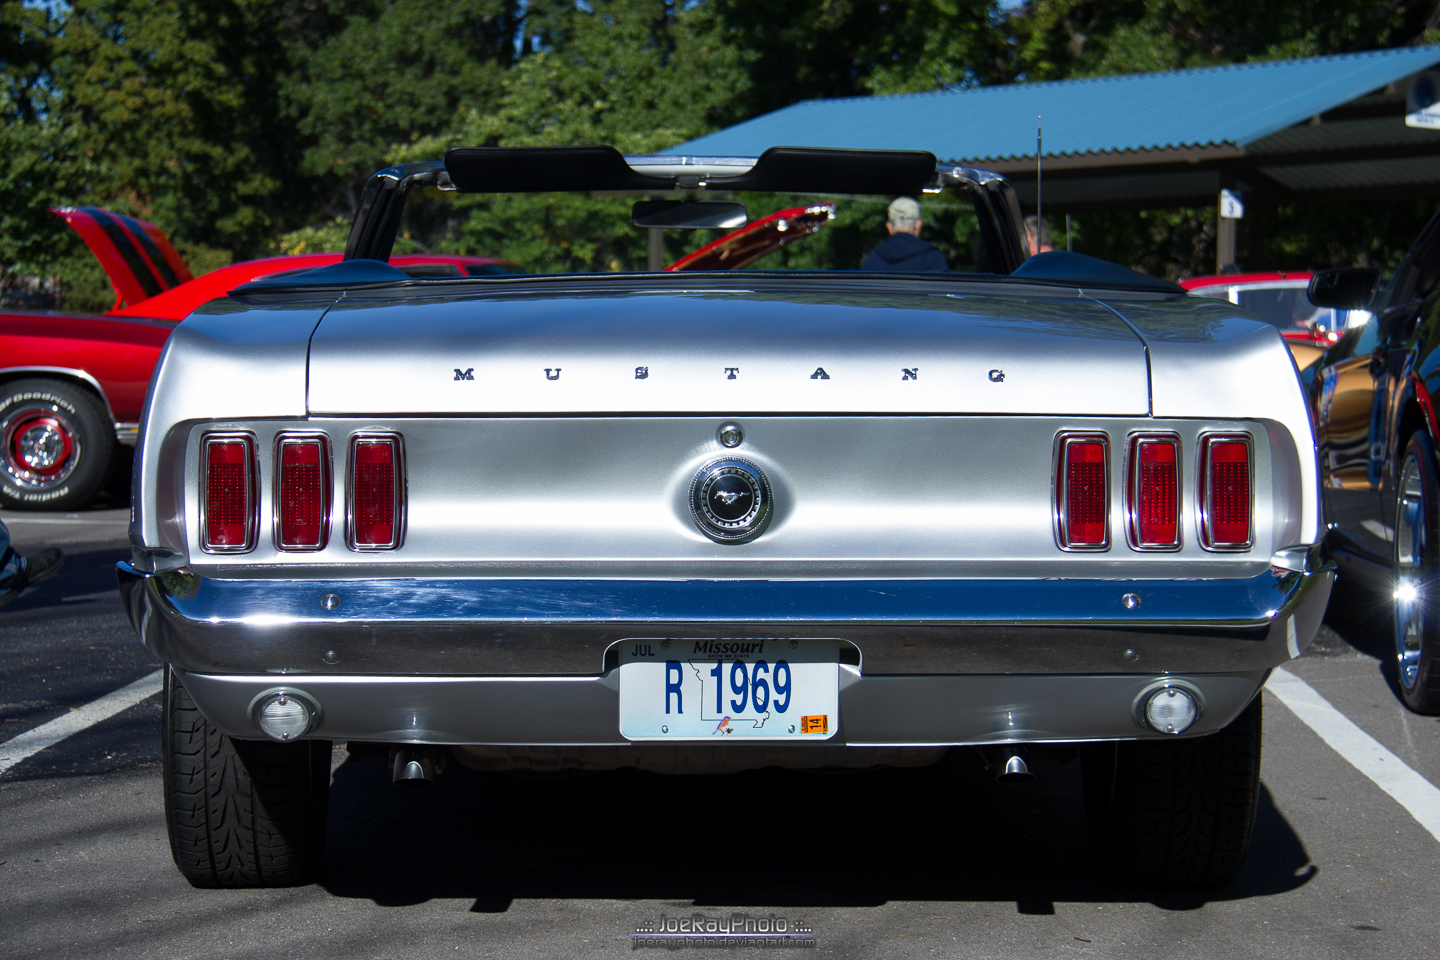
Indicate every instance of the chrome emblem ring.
{"type": "Point", "coordinates": [731, 500]}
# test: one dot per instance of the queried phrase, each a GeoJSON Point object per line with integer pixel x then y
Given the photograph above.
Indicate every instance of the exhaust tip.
{"type": "Point", "coordinates": [1015, 770]}
{"type": "Point", "coordinates": [415, 766]}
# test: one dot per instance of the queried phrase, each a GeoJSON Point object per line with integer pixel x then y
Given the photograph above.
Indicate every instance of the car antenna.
{"type": "Point", "coordinates": [1039, 155]}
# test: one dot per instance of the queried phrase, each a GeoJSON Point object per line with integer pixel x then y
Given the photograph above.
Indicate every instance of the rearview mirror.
{"type": "Point", "coordinates": [1343, 288]}
{"type": "Point", "coordinates": [690, 214]}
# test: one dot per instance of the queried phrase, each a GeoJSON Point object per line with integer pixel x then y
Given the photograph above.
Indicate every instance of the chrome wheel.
{"type": "Point", "coordinates": [1417, 576]}
{"type": "Point", "coordinates": [1411, 577]}
{"type": "Point", "coordinates": [42, 446]}
{"type": "Point", "coordinates": [1410, 570]}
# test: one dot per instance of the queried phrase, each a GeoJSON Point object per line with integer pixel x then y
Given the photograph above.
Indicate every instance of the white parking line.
{"type": "Point", "coordinates": [1366, 754]}
{"type": "Point", "coordinates": [71, 521]}
{"type": "Point", "coordinates": [46, 735]}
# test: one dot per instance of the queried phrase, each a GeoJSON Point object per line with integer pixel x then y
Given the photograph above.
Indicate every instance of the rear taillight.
{"type": "Point", "coordinates": [229, 496]}
{"type": "Point", "coordinates": [302, 493]}
{"type": "Point", "coordinates": [377, 493]}
{"type": "Point", "coordinates": [1226, 507]}
{"type": "Point", "coordinates": [1082, 492]}
{"type": "Point", "coordinates": [1154, 493]}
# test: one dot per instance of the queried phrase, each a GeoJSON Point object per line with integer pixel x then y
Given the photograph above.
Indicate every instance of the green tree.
{"type": "Point", "coordinates": [641, 75]}
{"type": "Point", "coordinates": [391, 72]}
{"type": "Point", "coordinates": [178, 103]}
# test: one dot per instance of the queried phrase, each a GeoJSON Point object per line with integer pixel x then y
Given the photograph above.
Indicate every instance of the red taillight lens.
{"type": "Point", "coordinates": [1226, 492]}
{"type": "Point", "coordinates": [1083, 493]}
{"type": "Point", "coordinates": [1155, 492]}
{"type": "Point", "coordinates": [229, 495]}
{"type": "Point", "coordinates": [302, 493]}
{"type": "Point", "coordinates": [375, 490]}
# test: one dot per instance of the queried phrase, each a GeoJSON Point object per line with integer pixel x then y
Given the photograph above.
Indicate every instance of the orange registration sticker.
{"type": "Point", "coordinates": [817, 724]}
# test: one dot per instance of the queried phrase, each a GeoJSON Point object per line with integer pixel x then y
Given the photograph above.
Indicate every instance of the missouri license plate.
{"type": "Point", "coordinates": [729, 689]}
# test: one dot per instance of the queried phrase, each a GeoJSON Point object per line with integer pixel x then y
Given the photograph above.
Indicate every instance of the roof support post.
{"type": "Point", "coordinates": [1224, 227]}
{"type": "Point", "coordinates": [1224, 244]}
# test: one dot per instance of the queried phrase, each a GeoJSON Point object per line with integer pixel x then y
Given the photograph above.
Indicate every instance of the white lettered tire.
{"type": "Point", "coordinates": [57, 445]}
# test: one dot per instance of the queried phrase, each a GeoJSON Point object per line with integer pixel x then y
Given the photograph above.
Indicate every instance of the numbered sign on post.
{"type": "Point", "coordinates": [1231, 207]}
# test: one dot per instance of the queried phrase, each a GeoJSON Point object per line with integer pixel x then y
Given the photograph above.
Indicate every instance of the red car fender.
{"type": "Point", "coordinates": [1422, 396]}
{"type": "Point", "coordinates": [178, 303]}
{"type": "Point", "coordinates": [114, 356]}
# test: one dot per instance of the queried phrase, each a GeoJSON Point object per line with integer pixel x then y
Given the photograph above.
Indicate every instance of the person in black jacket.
{"type": "Point", "coordinates": [904, 252]}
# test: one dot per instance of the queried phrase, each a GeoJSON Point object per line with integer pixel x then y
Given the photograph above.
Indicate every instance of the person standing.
{"type": "Point", "coordinates": [904, 251]}
{"type": "Point", "coordinates": [17, 572]}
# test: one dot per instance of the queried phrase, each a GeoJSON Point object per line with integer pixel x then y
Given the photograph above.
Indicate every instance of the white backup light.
{"type": "Point", "coordinates": [1171, 710]}
{"type": "Point", "coordinates": [283, 717]}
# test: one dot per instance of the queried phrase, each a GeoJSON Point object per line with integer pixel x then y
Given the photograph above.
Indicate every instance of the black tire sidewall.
{"type": "Point", "coordinates": [96, 438]}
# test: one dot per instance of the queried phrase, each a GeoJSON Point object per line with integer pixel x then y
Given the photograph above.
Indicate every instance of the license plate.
{"type": "Point", "coordinates": [688, 689]}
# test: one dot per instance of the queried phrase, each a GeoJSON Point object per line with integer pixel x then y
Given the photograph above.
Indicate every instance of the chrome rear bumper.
{"type": "Point", "coordinates": [497, 628]}
{"type": "Point", "coordinates": [530, 662]}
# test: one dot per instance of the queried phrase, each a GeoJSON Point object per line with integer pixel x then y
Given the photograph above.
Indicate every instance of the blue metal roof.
{"type": "Point", "coordinates": [1234, 105]}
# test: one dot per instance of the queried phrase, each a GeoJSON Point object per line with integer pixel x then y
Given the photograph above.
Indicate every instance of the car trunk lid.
{"type": "Point", "coordinates": [733, 352]}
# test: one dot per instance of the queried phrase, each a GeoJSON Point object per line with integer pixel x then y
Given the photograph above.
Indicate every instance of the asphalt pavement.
{"type": "Point", "coordinates": [939, 861]}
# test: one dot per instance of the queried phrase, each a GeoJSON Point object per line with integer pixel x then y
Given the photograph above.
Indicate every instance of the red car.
{"type": "Point", "coordinates": [71, 386]}
{"type": "Point", "coordinates": [742, 247]}
{"type": "Point", "coordinates": [1280, 299]}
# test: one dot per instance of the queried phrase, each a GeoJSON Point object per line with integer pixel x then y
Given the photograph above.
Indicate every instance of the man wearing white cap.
{"type": "Point", "coordinates": [904, 252]}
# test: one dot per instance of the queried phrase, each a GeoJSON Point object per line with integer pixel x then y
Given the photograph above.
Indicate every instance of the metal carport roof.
{"type": "Point", "coordinates": [1322, 128]}
{"type": "Point", "coordinates": [1290, 129]}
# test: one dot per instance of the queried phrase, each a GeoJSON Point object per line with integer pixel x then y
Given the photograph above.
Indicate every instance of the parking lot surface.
{"type": "Point", "coordinates": [939, 861]}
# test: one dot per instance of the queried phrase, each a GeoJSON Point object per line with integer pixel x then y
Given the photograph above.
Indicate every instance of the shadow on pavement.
{"type": "Point", "coordinates": [1360, 620]}
{"type": "Point", "coordinates": [768, 838]}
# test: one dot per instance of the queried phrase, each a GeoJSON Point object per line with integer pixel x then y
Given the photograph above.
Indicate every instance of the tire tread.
{"type": "Point", "coordinates": [240, 813]}
{"type": "Point", "coordinates": [1175, 813]}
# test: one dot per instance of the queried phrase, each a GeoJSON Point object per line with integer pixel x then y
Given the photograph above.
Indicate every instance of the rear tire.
{"type": "Point", "coordinates": [241, 813]}
{"type": "Point", "coordinates": [1174, 813]}
{"type": "Point", "coordinates": [1417, 577]}
{"type": "Point", "coordinates": [56, 445]}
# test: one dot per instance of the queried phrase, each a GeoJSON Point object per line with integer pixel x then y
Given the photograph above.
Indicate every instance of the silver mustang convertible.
{"type": "Point", "coordinates": [704, 521]}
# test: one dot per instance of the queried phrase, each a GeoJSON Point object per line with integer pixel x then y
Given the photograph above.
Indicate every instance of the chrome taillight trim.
{"type": "Point", "coordinates": [399, 534]}
{"type": "Point", "coordinates": [252, 489]}
{"type": "Point", "coordinates": [1059, 490]}
{"type": "Point", "coordinates": [1132, 491]}
{"type": "Point", "coordinates": [327, 484]}
{"type": "Point", "coordinates": [1202, 488]}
